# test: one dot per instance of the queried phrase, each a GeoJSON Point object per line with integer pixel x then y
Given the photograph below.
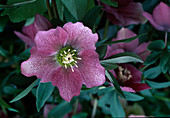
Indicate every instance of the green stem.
{"type": "Point", "coordinates": [49, 9]}
{"type": "Point", "coordinates": [75, 107]}
{"type": "Point", "coordinates": [167, 76]}
{"type": "Point", "coordinates": [166, 35]}
{"type": "Point", "coordinates": [106, 29]}
{"type": "Point", "coordinates": [94, 108]}
{"type": "Point", "coordinates": [54, 8]}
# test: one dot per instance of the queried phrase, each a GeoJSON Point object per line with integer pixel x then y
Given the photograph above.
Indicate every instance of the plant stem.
{"type": "Point", "coordinates": [166, 35]}
{"type": "Point", "coordinates": [75, 107]}
{"type": "Point", "coordinates": [167, 76]}
{"type": "Point", "coordinates": [54, 8]}
{"type": "Point", "coordinates": [49, 9]}
{"type": "Point", "coordinates": [94, 108]}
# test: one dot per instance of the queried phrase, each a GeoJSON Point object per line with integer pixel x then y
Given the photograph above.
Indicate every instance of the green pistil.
{"type": "Point", "coordinates": [67, 57]}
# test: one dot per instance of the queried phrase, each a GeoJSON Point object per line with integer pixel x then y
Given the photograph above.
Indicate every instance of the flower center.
{"type": "Point", "coordinates": [67, 57]}
{"type": "Point", "coordinates": [123, 74]}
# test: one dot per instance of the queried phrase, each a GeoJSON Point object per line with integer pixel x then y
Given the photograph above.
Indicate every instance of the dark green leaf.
{"type": "Point", "coordinates": [165, 56]}
{"type": "Point", "coordinates": [110, 76]}
{"type": "Point", "coordinates": [80, 115]}
{"type": "Point", "coordinates": [101, 51]}
{"type": "Point", "coordinates": [110, 3]}
{"type": "Point", "coordinates": [157, 85]}
{"type": "Point", "coordinates": [152, 58]}
{"type": "Point", "coordinates": [90, 18]}
{"type": "Point", "coordinates": [156, 46]}
{"type": "Point", "coordinates": [25, 92]}
{"type": "Point", "coordinates": [123, 58]}
{"type": "Point", "coordinates": [152, 72]}
{"type": "Point", "coordinates": [116, 108]}
{"type": "Point", "coordinates": [44, 90]}
{"type": "Point", "coordinates": [132, 96]}
{"type": "Point", "coordinates": [5, 105]}
{"type": "Point", "coordinates": [60, 110]}
{"type": "Point", "coordinates": [60, 9]}
{"type": "Point", "coordinates": [109, 66]}
{"type": "Point", "coordinates": [25, 11]}
{"type": "Point", "coordinates": [68, 16]}
{"type": "Point", "coordinates": [3, 22]}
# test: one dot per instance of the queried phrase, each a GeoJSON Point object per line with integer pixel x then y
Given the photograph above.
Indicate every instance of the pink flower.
{"type": "Point", "coordinates": [129, 78]}
{"type": "Point", "coordinates": [67, 58]}
{"type": "Point", "coordinates": [160, 19]}
{"type": "Point", "coordinates": [47, 109]}
{"type": "Point", "coordinates": [29, 32]}
{"type": "Point", "coordinates": [127, 13]}
{"type": "Point", "coordinates": [133, 46]}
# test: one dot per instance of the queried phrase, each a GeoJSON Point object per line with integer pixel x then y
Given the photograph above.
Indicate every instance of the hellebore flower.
{"type": "Point", "coordinates": [133, 46]}
{"type": "Point", "coordinates": [29, 32]}
{"type": "Point", "coordinates": [160, 19]}
{"type": "Point", "coordinates": [66, 57]}
{"type": "Point", "coordinates": [129, 78]}
{"type": "Point", "coordinates": [127, 13]}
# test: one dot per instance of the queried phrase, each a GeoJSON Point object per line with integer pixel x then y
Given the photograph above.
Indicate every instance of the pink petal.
{"type": "Point", "coordinates": [139, 86]}
{"type": "Point", "coordinates": [161, 15]}
{"type": "Point", "coordinates": [30, 31]}
{"type": "Point", "coordinates": [69, 83]}
{"type": "Point", "coordinates": [128, 89]}
{"type": "Point", "coordinates": [38, 64]}
{"type": "Point", "coordinates": [89, 67]}
{"type": "Point", "coordinates": [126, 33]}
{"type": "Point", "coordinates": [51, 41]}
{"type": "Point", "coordinates": [126, 13]}
{"type": "Point", "coordinates": [80, 37]}
{"type": "Point", "coordinates": [41, 23]}
{"type": "Point", "coordinates": [142, 51]}
{"type": "Point", "coordinates": [152, 21]}
{"type": "Point", "coordinates": [25, 38]}
{"type": "Point", "coordinates": [111, 51]}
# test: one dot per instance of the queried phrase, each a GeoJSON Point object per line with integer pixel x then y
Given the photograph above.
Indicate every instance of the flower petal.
{"type": "Point", "coordinates": [69, 83]}
{"type": "Point", "coordinates": [51, 41]}
{"type": "Point", "coordinates": [152, 21]}
{"type": "Point", "coordinates": [161, 15]}
{"type": "Point", "coordinates": [126, 33]}
{"type": "Point", "coordinates": [25, 38]}
{"type": "Point", "coordinates": [30, 31]}
{"type": "Point", "coordinates": [89, 67]}
{"type": "Point", "coordinates": [80, 37]}
{"type": "Point", "coordinates": [37, 64]}
{"type": "Point", "coordinates": [128, 89]}
{"type": "Point", "coordinates": [142, 51]}
{"type": "Point", "coordinates": [139, 86]}
{"type": "Point", "coordinates": [41, 23]}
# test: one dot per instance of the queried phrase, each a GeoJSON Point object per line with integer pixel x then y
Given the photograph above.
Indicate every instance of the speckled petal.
{"type": "Point", "coordinates": [38, 64]}
{"type": "Point", "coordinates": [152, 21]}
{"type": "Point", "coordinates": [89, 67]}
{"type": "Point", "coordinates": [128, 89]}
{"type": "Point", "coordinates": [69, 83]}
{"type": "Point", "coordinates": [51, 41]}
{"type": "Point", "coordinates": [126, 33]}
{"type": "Point", "coordinates": [41, 23]}
{"type": "Point", "coordinates": [80, 37]}
{"type": "Point", "coordinates": [161, 15]}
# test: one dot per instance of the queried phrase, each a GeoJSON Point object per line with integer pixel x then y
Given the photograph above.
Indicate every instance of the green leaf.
{"type": "Point", "coordinates": [25, 11]}
{"type": "Point", "coordinates": [25, 92]}
{"type": "Point", "coordinates": [123, 40]}
{"type": "Point", "coordinates": [123, 58]}
{"type": "Point", "coordinates": [44, 90]}
{"type": "Point", "coordinates": [156, 46]}
{"type": "Point", "coordinates": [116, 108]}
{"type": "Point", "coordinates": [109, 66]}
{"type": "Point", "coordinates": [165, 56]}
{"type": "Point", "coordinates": [110, 3]}
{"type": "Point", "coordinates": [3, 22]}
{"type": "Point", "coordinates": [110, 76]}
{"type": "Point", "coordinates": [90, 18]}
{"type": "Point", "coordinates": [152, 58]}
{"type": "Point", "coordinates": [60, 9]}
{"type": "Point", "coordinates": [101, 51]}
{"type": "Point", "coordinates": [157, 85]}
{"type": "Point", "coordinates": [152, 72]}
{"type": "Point", "coordinates": [80, 115]}
{"type": "Point", "coordinates": [60, 110]}
{"type": "Point", "coordinates": [5, 105]}
{"type": "Point", "coordinates": [132, 96]}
